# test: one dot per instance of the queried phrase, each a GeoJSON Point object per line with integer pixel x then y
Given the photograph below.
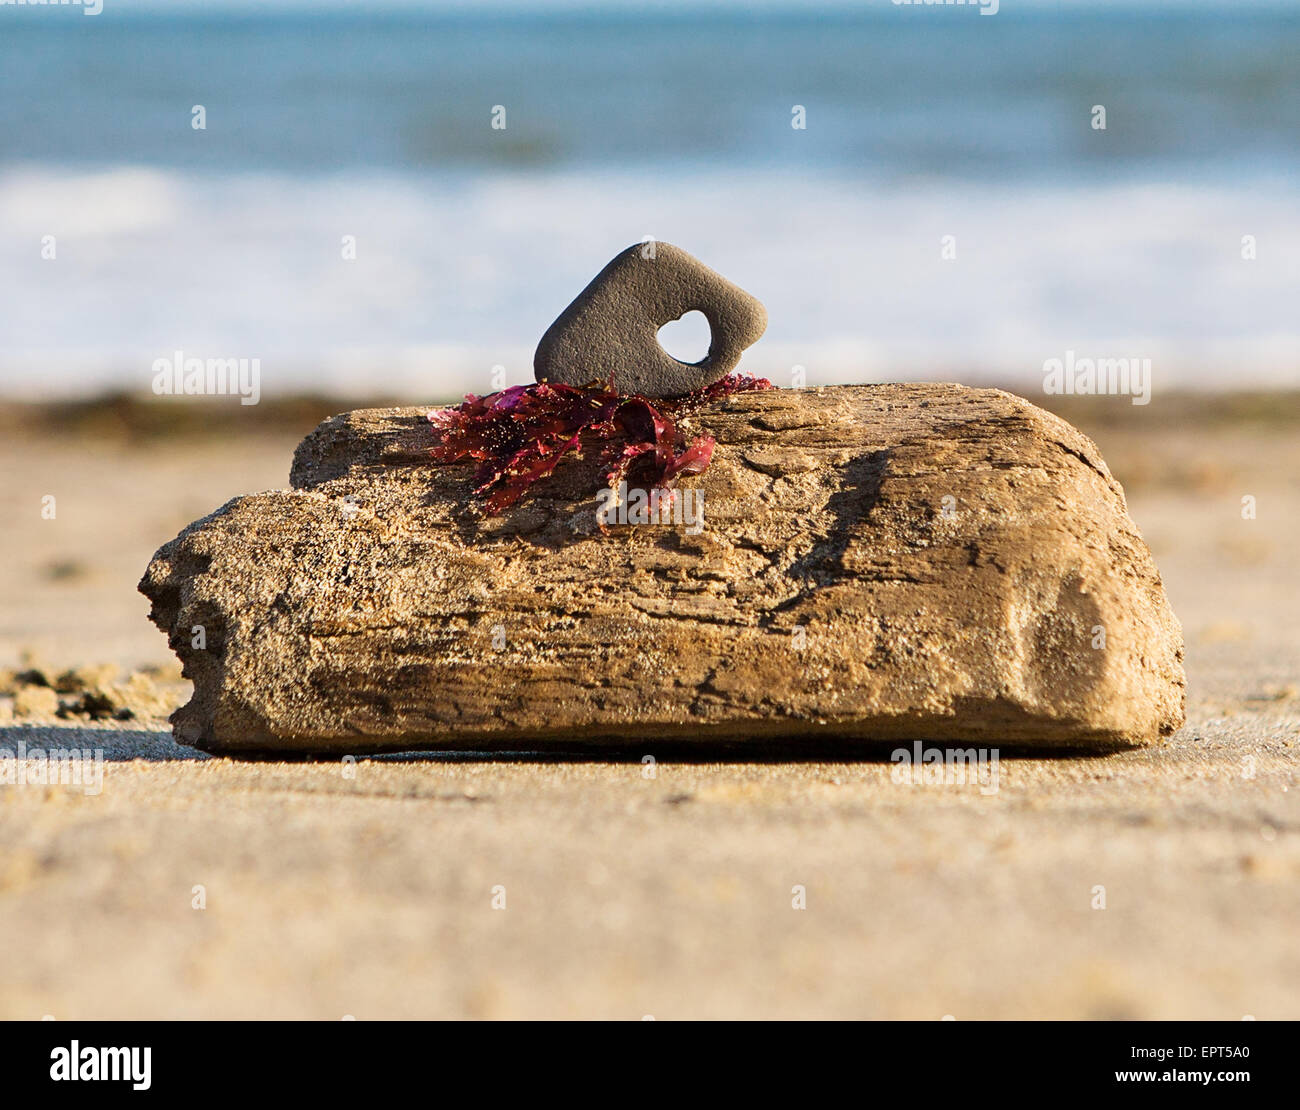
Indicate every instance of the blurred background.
{"type": "Point", "coordinates": [668, 119]}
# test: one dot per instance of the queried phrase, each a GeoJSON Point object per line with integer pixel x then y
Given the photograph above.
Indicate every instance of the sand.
{"type": "Point", "coordinates": [369, 889]}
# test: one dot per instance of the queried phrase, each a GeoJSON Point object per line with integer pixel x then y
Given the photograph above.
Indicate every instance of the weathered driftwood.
{"type": "Point", "coordinates": [890, 562]}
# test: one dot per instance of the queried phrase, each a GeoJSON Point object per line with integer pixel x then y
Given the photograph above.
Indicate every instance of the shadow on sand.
{"type": "Point", "coordinates": [118, 745]}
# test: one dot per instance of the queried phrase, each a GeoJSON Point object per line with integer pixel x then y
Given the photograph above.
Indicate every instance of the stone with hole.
{"type": "Point", "coordinates": [609, 334]}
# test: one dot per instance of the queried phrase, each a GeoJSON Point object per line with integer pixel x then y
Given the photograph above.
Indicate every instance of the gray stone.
{"type": "Point", "coordinates": [610, 331]}
{"type": "Point", "coordinates": [877, 564]}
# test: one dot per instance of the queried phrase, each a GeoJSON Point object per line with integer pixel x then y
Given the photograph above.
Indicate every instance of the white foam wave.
{"type": "Point", "coordinates": [455, 274]}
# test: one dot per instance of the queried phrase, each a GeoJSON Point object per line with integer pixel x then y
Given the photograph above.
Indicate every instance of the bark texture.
{"type": "Point", "coordinates": [877, 563]}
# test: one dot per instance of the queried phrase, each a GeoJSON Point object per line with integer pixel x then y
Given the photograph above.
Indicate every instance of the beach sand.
{"type": "Point", "coordinates": [369, 890]}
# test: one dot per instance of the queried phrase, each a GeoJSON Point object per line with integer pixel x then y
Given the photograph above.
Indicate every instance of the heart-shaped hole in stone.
{"type": "Point", "coordinates": [687, 340]}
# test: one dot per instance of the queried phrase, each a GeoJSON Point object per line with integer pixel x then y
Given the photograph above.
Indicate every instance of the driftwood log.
{"type": "Point", "coordinates": [877, 563]}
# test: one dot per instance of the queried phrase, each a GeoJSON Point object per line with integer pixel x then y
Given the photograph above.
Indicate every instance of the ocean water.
{"type": "Point", "coordinates": [928, 131]}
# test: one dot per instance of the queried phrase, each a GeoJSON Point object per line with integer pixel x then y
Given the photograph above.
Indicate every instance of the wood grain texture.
{"type": "Point", "coordinates": [878, 563]}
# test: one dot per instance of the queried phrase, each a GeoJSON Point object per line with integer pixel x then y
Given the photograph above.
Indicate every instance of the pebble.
{"type": "Point", "coordinates": [609, 334]}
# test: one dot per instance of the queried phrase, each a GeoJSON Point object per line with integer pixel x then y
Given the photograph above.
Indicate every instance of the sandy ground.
{"type": "Point", "coordinates": [369, 890]}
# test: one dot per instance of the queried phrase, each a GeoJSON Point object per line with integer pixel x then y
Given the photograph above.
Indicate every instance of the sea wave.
{"type": "Point", "coordinates": [457, 273]}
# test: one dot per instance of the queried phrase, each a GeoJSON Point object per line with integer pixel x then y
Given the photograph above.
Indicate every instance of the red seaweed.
{"type": "Point", "coordinates": [518, 436]}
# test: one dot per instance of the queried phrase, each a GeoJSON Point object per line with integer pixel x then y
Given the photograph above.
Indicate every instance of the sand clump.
{"type": "Point", "coordinates": [36, 692]}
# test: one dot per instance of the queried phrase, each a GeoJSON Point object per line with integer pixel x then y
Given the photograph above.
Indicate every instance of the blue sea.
{"type": "Point", "coordinates": [949, 211]}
